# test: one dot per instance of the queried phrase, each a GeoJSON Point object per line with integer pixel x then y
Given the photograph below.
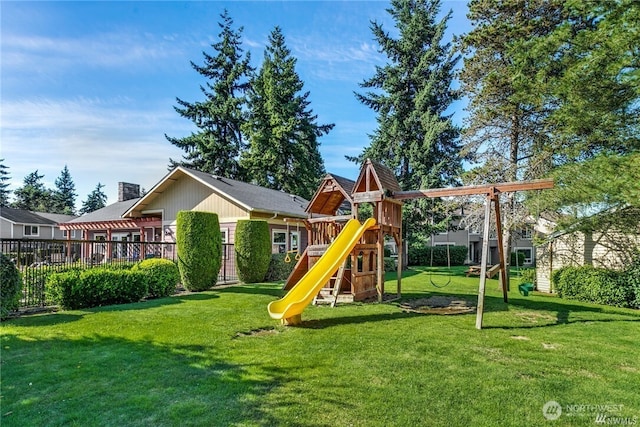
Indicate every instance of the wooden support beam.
{"type": "Point", "coordinates": [505, 187]}
{"type": "Point", "coordinates": [483, 268]}
{"type": "Point", "coordinates": [501, 254]}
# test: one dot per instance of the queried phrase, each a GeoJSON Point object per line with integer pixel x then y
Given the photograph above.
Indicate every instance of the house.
{"type": "Point", "coordinates": [573, 247]}
{"type": "Point", "coordinates": [461, 234]}
{"type": "Point", "coordinates": [152, 217]}
{"type": "Point", "coordinates": [24, 224]}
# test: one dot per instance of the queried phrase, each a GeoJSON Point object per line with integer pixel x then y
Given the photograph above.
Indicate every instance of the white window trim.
{"type": "Point", "coordinates": [65, 233]}
{"type": "Point", "coordinates": [225, 235]}
{"type": "Point", "coordinates": [523, 249]}
{"type": "Point", "coordinates": [31, 233]}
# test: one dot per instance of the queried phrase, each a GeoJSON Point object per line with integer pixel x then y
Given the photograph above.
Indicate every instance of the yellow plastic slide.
{"type": "Point", "coordinates": [290, 307]}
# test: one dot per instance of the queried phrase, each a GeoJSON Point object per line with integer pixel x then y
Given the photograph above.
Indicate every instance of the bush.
{"type": "Point", "coordinates": [520, 259]}
{"type": "Point", "coordinates": [528, 275]}
{"type": "Point", "coordinates": [631, 278]}
{"type": "Point", "coordinates": [96, 287]}
{"type": "Point", "coordinates": [162, 276]}
{"type": "Point", "coordinates": [278, 268]}
{"type": "Point", "coordinates": [10, 286]}
{"type": "Point", "coordinates": [590, 284]}
{"type": "Point", "coordinates": [199, 249]}
{"type": "Point", "coordinates": [253, 250]}
{"type": "Point", "coordinates": [390, 264]}
{"type": "Point", "coordinates": [421, 255]}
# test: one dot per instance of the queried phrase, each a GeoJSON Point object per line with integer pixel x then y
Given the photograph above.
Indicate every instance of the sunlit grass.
{"type": "Point", "coordinates": [216, 358]}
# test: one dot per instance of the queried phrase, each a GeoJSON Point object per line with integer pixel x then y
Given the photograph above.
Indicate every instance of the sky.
{"type": "Point", "coordinates": [93, 85]}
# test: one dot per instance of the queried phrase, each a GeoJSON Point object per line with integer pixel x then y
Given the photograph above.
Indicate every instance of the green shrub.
{"type": "Point", "coordinates": [631, 278]}
{"type": "Point", "coordinates": [519, 260]}
{"type": "Point", "coordinates": [96, 287]}
{"type": "Point", "coordinates": [590, 284]}
{"type": "Point", "coordinates": [199, 249]}
{"type": "Point", "coordinates": [528, 275]}
{"type": "Point", "coordinates": [421, 255]}
{"type": "Point", "coordinates": [162, 276]}
{"type": "Point", "coordinates": [10, 286]}
{"type": "Point", "coordinates": [390, 264]}
{"type": "Point", "coordinates": [278, 268]}
{"type": "Point", "coordinates": [253, 250]}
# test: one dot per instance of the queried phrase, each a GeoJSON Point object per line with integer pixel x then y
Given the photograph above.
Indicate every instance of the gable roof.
{"type": "Point", "coordinates": [57, 218]}
{"type": "Point", "coordinates": [333, 194]}
{"type": "Point", "coordinates": [111, 212]}
{"type": "Point", "coordinates": [22, 216]}
{"type": "Point", "coordinates": [248, 196]}
{"type": "Point", "coordinates": [375, 176]}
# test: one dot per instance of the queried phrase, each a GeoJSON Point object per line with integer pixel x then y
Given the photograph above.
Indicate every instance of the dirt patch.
{"type": "Point", "coordinates": [439, 305]}
{"type": "Point", "coordinates": [257, 332]}
{"type": "Point", "coordinates": [520, 337]}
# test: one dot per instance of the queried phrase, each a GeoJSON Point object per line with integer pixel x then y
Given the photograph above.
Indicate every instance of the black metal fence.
{"type": "Point", "coordinates": [36, 259]}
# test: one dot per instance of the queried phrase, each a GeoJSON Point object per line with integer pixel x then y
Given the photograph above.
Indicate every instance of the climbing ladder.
{"type": "Point", "coordinates": [329, 294]}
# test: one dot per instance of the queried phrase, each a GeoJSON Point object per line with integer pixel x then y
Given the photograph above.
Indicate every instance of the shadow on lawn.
{"type": "Point", "coordinates": [151, 383]}
{"type": "Point", "coordinates": [254, 290]}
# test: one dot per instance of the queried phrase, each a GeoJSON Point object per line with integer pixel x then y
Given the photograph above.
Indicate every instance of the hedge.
{"type": "Point", "coordinates": [199, 249]}
{"type": "Point", "coordinates": [278, 268]}
{"type": "Point", "coordinates": [96, 287]}
{"type": "Point", "coordinates": [631, 278]}
{"type": "Point", "coordinates": [421, 255]}
{"type": "Point", "coordinates": [162, 276]}
{"type": "Point", "coordinates": [253, 250]}
{"type": "Point", "coordinates": [597, 285]}
{"type": "Point", "coordinates": [10, 286]}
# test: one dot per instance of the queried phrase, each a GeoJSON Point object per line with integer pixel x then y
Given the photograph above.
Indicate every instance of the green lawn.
{"type": "Point", "coordinates": [216, 358]}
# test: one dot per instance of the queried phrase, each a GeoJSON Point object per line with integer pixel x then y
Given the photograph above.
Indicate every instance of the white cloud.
{"type": "Point", "coordinates": [99, 140]}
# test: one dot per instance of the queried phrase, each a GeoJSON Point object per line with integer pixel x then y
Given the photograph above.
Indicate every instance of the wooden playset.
{"type": "Point", "coordinates": [361, 276]}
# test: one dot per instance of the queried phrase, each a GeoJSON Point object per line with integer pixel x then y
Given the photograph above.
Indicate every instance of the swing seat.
{"type": "Point", "coordinates": [525, 288]}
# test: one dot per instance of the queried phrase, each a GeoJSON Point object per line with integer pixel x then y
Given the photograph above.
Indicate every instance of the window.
{"type": "Point", "coordinates": [528, 254]}
{"type": "Point", "coordinates": [225, 235]}
{"type": "Point", "coordinates": [65, 233]}
{"type": "Point", "coordinates": [279, 241]}
{"type": "Point", "coordinates": [526, 233]}
{"type": "Point", "coordinates": [31, 230]}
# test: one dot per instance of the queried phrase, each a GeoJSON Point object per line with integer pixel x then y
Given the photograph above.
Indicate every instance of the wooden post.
{"type": "Point", "coordinates": [485, 256]}
{"type": "Point", "coordinates": [501, 254]}
{"type": "Point", "coordinates": [380, 246]}
{"type": "Point", "coordinates": [400, 260]}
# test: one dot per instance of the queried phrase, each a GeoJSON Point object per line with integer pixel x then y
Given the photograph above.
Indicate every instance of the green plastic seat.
{"type": "Point", "coordinates": [525, 288]}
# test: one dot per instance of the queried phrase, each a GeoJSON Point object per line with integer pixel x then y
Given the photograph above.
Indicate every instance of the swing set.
{"type": "Point", "coordinates": [288, 249]}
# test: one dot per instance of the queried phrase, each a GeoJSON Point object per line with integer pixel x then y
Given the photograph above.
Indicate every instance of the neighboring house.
{"type": "Point", "coordinates": [152, 217]}
{"type": "Point", "coordinates": [188, 189]}
{"type": "Point", "coordinates": [611, 249]}
{"type": "Point", "coordinates": [522, 242]}
{"type": "Point", "coordinates": [23, 224]}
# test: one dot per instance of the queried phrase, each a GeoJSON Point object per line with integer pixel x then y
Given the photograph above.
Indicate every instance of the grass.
{"type": "Point", "coordinates": [216, 358]}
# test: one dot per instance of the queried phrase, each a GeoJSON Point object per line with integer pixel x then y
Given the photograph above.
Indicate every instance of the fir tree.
{"type": "Point", "coordinates": [410, 94]}
{"type": "Point", "coordinates": [33, 196]}
{"type": "Point", "coordinates": [217, 144]}
{"type": "Point", "coordinates": [95, 200]}
{"type": "Point", "coordinates": [64, 196]}
{"type": "Point", "coordinates": [4, 184]}
{"type": "Point", "coordinates": [282, 130]}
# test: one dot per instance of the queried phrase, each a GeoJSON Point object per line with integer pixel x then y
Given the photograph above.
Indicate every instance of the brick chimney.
{"type": "Point", "coordinates": [128, 191]}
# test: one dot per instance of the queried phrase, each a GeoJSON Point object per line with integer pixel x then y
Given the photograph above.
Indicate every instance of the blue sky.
{"type": "Point", "coordinates": [92, 84]}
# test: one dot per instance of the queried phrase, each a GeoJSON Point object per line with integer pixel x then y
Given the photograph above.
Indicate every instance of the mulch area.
{"type": "Point", "coordinates": [439, 305]}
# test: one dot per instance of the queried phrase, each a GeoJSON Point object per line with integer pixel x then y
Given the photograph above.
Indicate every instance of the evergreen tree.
{"type": "Point", "coordinates": [4, 184]}
{"type": "Point", "coordinates": [64, 196]}
{"type": "Point", "coordinates": [33, 195]}
{"type": "Point", "coordinates": [95, 200]}
{"type": "Point", "coordinates": [282, 130]}
{"type": "Point", "coordinates": [217, 144]}
{"type": "Point", "coordinates": [410, 94]}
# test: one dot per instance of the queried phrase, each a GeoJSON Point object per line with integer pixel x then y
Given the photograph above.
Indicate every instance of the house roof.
{"type": "Point", "coordinates": [57, 218]}
{"type": "Point", "coordinates": [248, 196]}
{"type": "Point", "coordinates": [110, 212]}
{"type": "Point", "coordinates": [21, 216]}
